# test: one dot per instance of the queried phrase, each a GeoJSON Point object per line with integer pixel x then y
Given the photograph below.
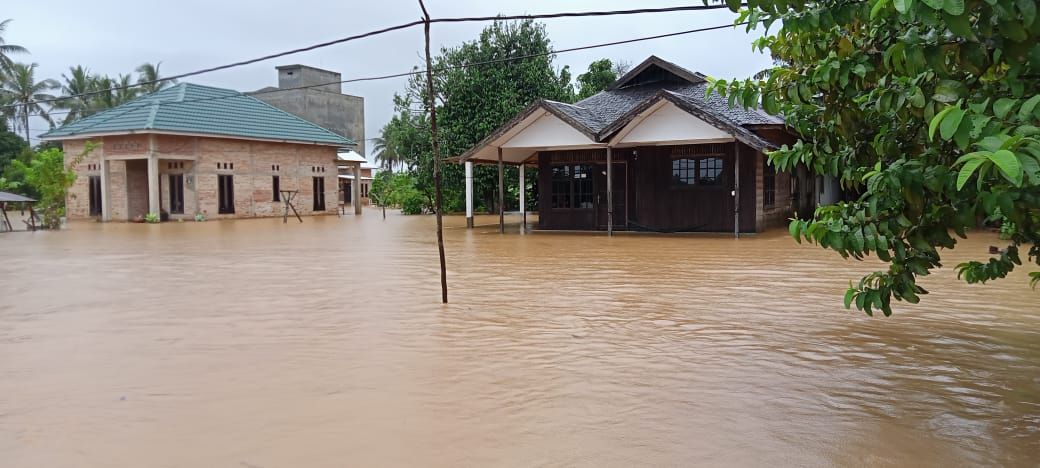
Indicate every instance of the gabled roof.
{"type": "Point", "coordinates": [603, 114]}
{"type": "Point", "coordinates": [194, 109]}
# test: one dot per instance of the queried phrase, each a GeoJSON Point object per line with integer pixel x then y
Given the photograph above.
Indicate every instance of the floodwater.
{"type": "Point", "coordinates": [257, 344]}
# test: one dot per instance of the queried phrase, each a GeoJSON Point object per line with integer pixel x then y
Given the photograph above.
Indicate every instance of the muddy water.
{"type": "Point", "coordinates": [257, 344]}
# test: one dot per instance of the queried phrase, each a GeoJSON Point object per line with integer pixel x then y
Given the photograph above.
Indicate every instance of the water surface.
{"type": "Point", "coordinates": [254, 343]}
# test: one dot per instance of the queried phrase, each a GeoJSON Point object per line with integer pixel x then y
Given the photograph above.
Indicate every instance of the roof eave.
{"type": "Point", "coordinates": [82, 136]}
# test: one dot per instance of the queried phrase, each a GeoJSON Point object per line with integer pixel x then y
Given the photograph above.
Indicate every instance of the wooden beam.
{"type": "Point", "coordinates": [610, 191]}
{"type": "Point", "coordinates": [736, 190]}
{"type": "Point", "coordinates": [523, 196]}
{"type": "Point", "coordinates": [501, 195]}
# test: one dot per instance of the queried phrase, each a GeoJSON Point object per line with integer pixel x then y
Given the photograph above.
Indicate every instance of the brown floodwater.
{"type": "Point", "coordinates": [254, 343]}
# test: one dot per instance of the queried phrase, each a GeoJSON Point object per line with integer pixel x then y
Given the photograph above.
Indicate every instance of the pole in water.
{"type": "Point", "coordinates": [439, 199]}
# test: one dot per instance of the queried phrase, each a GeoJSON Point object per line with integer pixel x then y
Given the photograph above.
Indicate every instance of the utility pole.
{"type": "Point", "coordinates": [436, 153]}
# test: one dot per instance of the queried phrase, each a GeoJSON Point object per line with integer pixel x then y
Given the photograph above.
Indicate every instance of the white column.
{"type": "Point", "coordinates": [153, 184]}
{"type": "Point", "coordinates": [523, 197]}
{"type": "Point", "coordinates": [736, 190]}
{"type": "Point", "coordinates": [105, 216]}
{"type": "Point", "coordinates": [469, 194]}
{"type": "Point", "coordinates": [357, 188]}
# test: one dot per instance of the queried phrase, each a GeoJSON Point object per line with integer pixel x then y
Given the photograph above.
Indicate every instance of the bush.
{"type": "Point", "coordinates": [412, 201]}
{"type": "Point", "coordinates": [151, 218]}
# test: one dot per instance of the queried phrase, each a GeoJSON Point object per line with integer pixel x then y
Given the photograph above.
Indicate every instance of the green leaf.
{"type": "Point", "coordinates": [959, 25]}
{"type": "Point", "coordinates": [733, 5]}
{"type": "Point", "coordinates": [1028, 10]}
{"type": "Point", "coordinates": [850, 294]}
{"type": "Point", "coordinates": [1009, 166]}
{"type": "Point", "coordinates": [1003, 106]}
{"type": "Point", "coordinates": [1026, 111]}
{"type": "Point", "coordinates": [903, 6]}
{"type": "Point", "coordinates": [879, 5]}
{"type": "Point", "coordinates": [794, 229]}
{"type": "Point", "coordinates": [937, 120]}
{"type": "Point", "coordinates": [935, 4]}
{"type": "Point", "coordinates": [954, 7]}
{"type": "Point", "coordinates": [966, 171]}
{"type": "Point", "coordinates": [948, 91]}
{"type": "Point", "coordinates": [950, 123]}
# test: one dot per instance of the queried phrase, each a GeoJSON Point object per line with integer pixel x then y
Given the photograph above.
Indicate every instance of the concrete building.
{"type": "Point", "coordinates": [317, 96]}
{"type": "Point", "coordinates": [194, 149]}
{"type": "Point", "coordinates": [350, 163]}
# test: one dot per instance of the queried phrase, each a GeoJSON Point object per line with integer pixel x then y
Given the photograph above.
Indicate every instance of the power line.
{"type": "Point", "coordinates": [384, 31]}
{"type": "Point", "coordinates": [450, 68]}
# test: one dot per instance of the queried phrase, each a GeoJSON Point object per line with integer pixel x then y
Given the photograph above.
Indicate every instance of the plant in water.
{"type": "Point", "coordinates": [200, 217]}
{"type": "Point", "coordinates": [151, 218]}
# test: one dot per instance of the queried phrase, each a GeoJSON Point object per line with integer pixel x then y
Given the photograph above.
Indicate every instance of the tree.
{"type": "Point", "coordinates": [386, 150]}
{"type": "Point", "coordinates": [928, 110]}
{"type": "Point", "coordinates": [76, 83]}
{"type": "Point", "coordinates": [600, 75]}
{"type": "Point", "coordinates": [5, 49]}
{"type": "Point", "coordinates": [51, 179]}
{"type": "Point", "coordinates": [11, 145]}
{"type": "Point", "coordinates": [148, 77]}
{"type": "Point", "coordinates": [21, 87]}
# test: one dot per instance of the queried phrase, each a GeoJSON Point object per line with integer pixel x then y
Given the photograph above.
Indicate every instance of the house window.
{"type": "Point", "coordinates": [768, 184]}
{"type": "Point", "coordinates": [697, 171]}
{"type": "Point", "coordinates": [177, 193]}
{"type": "Point", "coordinates": [710, 171]}
{"type": "Point", "coordinates": [319, 193]}
{"type": "Point", "coordinates": [276, 185]}
{"type": "Point", "coordinates": [572, 187]}
{"type": "Point", "coordinates": [95, 195]}
{"type": "Point", "coordinates": [684, 171]}
{"type": "Point", "coordinates": [225, 194]}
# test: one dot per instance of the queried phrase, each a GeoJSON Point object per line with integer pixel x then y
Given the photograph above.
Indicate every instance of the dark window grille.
{"type": "Point", "coordinates": [684, 171]}
{"type": "Point", "coordinates": [226, 194]}
{"type": "Point", "coordinates": [319, 193]}
{"type": "Point", "coordinates": [572, 187]}
{"type": "Point", "coordinates": [768, 184]}
{"type": "Point", "coordinates": [176, 193]}
{"type": "Point", "coordinates": [95, 195]}
{"type": "Point", "coordinates": [710, 171]}
{"type": "Point", "coordinates": [276, 186]}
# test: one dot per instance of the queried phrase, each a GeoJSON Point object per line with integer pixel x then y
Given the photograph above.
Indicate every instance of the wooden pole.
{"type": "Point", "coordinates": [357, 188]}
{"type": "Point", "coordinates": [736, 190]}
{"type": "Point", "coordinates": [523, 196]}
{"type": "Point", "coordinates": [436, 154]}
{"type": "Point", "coordinates": [501, 195]}
{"type": "Point", "coordinates": [469, 194]}
{"type": "Point", "coordinates": [610, 191]}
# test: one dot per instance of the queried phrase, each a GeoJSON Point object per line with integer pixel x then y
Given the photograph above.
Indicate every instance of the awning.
{"type": "Point", "coordinates": [350, 156]}
{"type": "Point", "coordinates": [14, 197]}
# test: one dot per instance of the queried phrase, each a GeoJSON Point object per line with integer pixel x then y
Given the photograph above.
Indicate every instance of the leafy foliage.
{"type": "Point", "coordinates": [472, 102]}
{"type": "Point", "coordinates": [19, 86]}
{"type": "Point", "coordinates": [48, 175]}
{"type": "Point", "coordinates": [927, 109]}
{"type": "Point", "coordinates": [601, 74]}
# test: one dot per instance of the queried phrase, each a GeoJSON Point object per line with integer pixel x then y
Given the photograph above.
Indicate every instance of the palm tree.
{"type": "Point", "coordinates": [21, 87]}
{"type": "Point", "coordinates": [148, 77]}
{"type": "Point", "coordinates": [77, 82]}
{"type": "Point", "coordinates": [127, 91]}
{"type": "Point", "coordinates": [385, 153]}
{"type": "Point", "coordinates": [5, 48]}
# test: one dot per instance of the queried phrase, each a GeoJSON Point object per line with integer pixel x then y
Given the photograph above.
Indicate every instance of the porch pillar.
{"type": "Point", "coordinates": [523, 197]}
{"type": "Point", "coordinates": [357, 188]}
{"type": "Point", "coordinates": [501, 195]}
{"type": "Point", "coordinates": [736, 190]}
{"type": "Point", "coordinates": [469, 194]}
{"type": "Point", "coordinates": [105, 216]}
{"type": "Point", "coordinates": [610, 191]}
{"type": "Point", "coordinates": [153, 184]}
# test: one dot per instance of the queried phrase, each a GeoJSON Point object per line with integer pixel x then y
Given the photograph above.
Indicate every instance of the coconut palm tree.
{"type": "Point", "coordinates": [385, 153]}
{"type": "Point", "coordinates": [148, 77]}
{"type": "Point", "coordinates": [126, 91]}
{"type": "Point", "coordinates": [22, 89]}
{"type": "Point", "coordinates": [77, 82]}
{"type": "Point", "coordinates": [5, 48]}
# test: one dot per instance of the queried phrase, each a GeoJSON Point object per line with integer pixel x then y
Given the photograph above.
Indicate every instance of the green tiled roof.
{"type": "Point", "coordinates": [192, 108]}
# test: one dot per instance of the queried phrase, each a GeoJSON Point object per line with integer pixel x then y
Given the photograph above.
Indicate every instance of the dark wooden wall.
{"type": "Point", "coordinates": [653, 203]}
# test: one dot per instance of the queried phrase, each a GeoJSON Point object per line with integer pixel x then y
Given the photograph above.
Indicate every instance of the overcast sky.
{"type": "Point", "coordinates": [111, 36]}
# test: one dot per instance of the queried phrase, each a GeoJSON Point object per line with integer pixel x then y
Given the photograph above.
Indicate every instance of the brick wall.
{"type": "Point", "coordinates": [251, 163]}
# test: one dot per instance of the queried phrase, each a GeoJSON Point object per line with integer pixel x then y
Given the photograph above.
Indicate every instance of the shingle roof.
{"type": "Point", "coordinates": [197, 109]}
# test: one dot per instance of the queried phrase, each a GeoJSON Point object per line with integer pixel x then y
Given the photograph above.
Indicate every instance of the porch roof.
{"type": "Point", "coordinates": [650, 87]}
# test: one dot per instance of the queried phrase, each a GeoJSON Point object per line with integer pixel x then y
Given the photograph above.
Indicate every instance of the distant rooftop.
{"type": "Point", "coordinates": [188, 108]}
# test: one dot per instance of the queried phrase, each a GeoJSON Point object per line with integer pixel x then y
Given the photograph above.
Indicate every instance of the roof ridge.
{"type": "Point", "coordinates": [150, 123]}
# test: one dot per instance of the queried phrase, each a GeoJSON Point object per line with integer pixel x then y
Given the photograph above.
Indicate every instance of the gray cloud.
{"type": "Point", "coordinates": [112, 36]}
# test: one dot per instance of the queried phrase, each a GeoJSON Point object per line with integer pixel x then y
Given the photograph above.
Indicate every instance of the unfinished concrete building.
{"type": "Point", "coordinates": [317, 96]}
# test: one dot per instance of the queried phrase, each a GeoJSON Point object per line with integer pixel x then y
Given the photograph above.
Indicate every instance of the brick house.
{"type": "Point", "coordinates": [194, 149]}
{"type": "Point", "coordinates": [350, 162]}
